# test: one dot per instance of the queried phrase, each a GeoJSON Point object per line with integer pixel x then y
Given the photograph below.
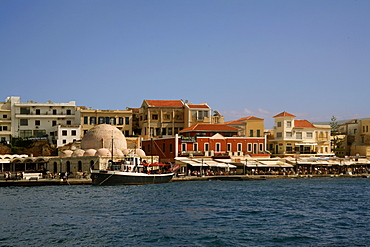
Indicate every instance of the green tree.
{"type": "Point", "coordinates": [336, 140]}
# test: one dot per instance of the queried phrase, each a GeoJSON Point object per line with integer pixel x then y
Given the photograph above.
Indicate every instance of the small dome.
{"type": "Point", "coordinates": [78, 153]}
{"type": "Point", "coordinates": [140, 152]}
{"type": "Point", "coordinates": [103, 152]}
{"type": "Point", "coordinates": [90, 152]}
{"type": "Point", "coordinates": [101, 136]}
{"type": "Point", "coordinates": [66, 153]}
{"type": "Point", "coordinates": [117, 152]}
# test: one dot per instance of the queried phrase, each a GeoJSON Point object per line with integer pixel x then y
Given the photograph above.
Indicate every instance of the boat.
{"type": "Point", "coordinates": [130, 171]}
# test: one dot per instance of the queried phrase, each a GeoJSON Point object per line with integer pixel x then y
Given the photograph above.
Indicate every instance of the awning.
{"type": "Point", "coordinates": [305, 144]}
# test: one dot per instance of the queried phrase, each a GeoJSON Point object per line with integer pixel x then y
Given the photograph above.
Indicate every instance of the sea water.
{"type": "Point", "coordinates": [276, 212]}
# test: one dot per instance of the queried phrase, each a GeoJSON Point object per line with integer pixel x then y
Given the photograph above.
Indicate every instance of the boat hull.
{"type": "Point", "coordinates": [128, 178]}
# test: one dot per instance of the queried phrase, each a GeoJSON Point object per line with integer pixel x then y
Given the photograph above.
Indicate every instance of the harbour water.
{"type": "Point", "coordinates": [273, 212]}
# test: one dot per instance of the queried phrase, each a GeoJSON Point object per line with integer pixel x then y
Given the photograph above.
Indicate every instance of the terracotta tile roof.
{"type": "Point", "coordinates": [199, 106]}
{"type": "Point", "coordinates": [234, 122]}
{"type": "Point", "coordinates": [249, 118]}
{"type": "Point", "coordinates": [210, 127]}
{"type": "Point", "coordinates": [303, 124]}
{"type": "Point", "coordinates": [285, 114]}
{"type": "Point", "coordinates": [164, 103]}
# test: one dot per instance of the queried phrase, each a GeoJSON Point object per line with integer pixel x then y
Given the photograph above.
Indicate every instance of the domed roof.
{"type": "Point", "coordinates": [140, 152]}
{"type": "Point", "coordinates": [101, 137]}
{"type": "Point", "coordinates": [78, 153]}
{"type": "Point", "coordinates": [90, 152]}
{"type": "Point", "coordinates": [103, 152]}
{"type": "Point", "coordinates": [66, 153]}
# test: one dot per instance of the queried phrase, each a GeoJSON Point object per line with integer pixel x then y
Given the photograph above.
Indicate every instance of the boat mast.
{"type": "Point", "coordinates": [112, 147]}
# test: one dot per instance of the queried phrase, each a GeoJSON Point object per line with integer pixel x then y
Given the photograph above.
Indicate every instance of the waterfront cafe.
{"type": "Point", "coordinates": [207, 166]}
{"type": "Point", "coordinates": [19, 163]}
{"type": "Point", "coordinates": [325, 165]}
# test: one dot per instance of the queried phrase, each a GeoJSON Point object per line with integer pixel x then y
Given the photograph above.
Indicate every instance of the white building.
{"type": "Point", "coordinates": [59, 122]}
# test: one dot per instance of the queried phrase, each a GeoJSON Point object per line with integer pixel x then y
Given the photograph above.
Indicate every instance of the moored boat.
{"type": "Point", "coordinates": [130, 172]}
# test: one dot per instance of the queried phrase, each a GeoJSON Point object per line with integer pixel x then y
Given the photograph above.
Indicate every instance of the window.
{"type": "Point", "coordinates": [86, 120]}
{"type": "Point", "coordinates": [251, 133]}
{"type": "Point", "coordinates": [69, 112]}
{"type": "Point", "coordinates": [54, 123]}
{"type": "Point", "coordinates": [25, 110]}
{"type": "Point", "coordinates": [39, 133]}
{"type": "Point", "coordinates": [299, 135]}
{"type": "Point", "coordinates": [69, 122]}
{"type": "Point", "coordinates": [183, 146]}
{"type": "Point", "coordinates": [229, 147]}
{"type": "Point", "coordinates": [170, 148]}
{"type": "Point", "coordinates": [249, 147]}
{"type": "Point", "coordinates": [261, 147]}
{"type": "Point", "coordinates": [37, 111]}
{"type": "Point", "coordinates": [37, 122]}
{"type": "Point", "coordinates": [195, 146]}
{"type": "Point", "coordinates": [64, 132]}
{"type": "Point", "coordinates": [5, 128]}
{"type": "Point", "coordinates": [218, 147]}
{"type": "Point", "coordinates": [79, 166]}
{"type": "Point", "coordinates": [240, 147]}
{"type": "Point", "coordinates": [101, 120]}
{"type": "Point", "coordinates": [200, 115]}
{"type": "Point", "coordinates": [278, 124]}
{"type": "Point", "coordinates": [164, 131]}
{"type": "Point", "coordinates": [74, 132]}
{"type": "Point", "coordinates": [288, 134]}
{"type": "Point", "coordinates": [120, 121]}
{"type": "Point", "coordinates": [112, 120]}
{"type": "Point", "coordinates": [25, 133]}
{"type": "Point", "coordinates": [54, 112]}
{"type": "Point", "coordinates": [206, 146]}
{"type": "Point", "coordinates": [92, 120]}
{"type": "Point", "coordinates": [279, 134]}
{"type": "Point", "coordinates": [154, 116]}
{"type": "Point", "coordinates": [258, 133]}
{"type": "Point", "coordinates": [164, 147]}
{"type": "Point", "coordinates": [167, 116]}
{"type": "Point", "coordinates": [289, 124]}
{"type": "Point", "coordinates": [127, 120]}
{"type": "Point", "coordinates": [23, 122]}
{"type": "Point", "coordinates": [5, 116]}
{"type": "Point", "coordinates": [170, 131]}
{"type": "Point", "coordinates": [309, 135]}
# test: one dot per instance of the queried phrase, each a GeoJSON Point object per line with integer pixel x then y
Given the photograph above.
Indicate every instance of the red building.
{"type": "Point", "coordinates": [205, 140]}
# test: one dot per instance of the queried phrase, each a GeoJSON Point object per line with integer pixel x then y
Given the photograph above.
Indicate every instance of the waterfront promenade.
{"type": "Point", "coordinates": [75, 181]}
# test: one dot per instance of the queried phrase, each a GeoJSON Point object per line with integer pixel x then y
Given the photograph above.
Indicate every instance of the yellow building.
{"type": "Point", "coordinates": [249, 126]}
{"type": "Point", "coordinates": [165, 118]}
{"type": "Point", "coordinates": [121, 119]}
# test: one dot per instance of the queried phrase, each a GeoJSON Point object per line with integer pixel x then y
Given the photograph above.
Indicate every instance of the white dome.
{"type": "Point", "coordinates": [140, 152]}
{"type": "Point", "coordinates": [66, 153]}
{"type": "Point", "coordinates": [90, 152]}
{"type": "Point", "coordinates": [78, 153]}
{"type": "Point", "coordinates": [103, 152]}
{"type": "Point", "coordinates": [101, 136]}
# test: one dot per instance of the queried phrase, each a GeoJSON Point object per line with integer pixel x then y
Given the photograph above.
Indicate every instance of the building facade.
{"type": "Point", "coordinates": [249, 126]}
{"type": "Point", "coordinates": [5, 122]}
{"type": "Point", "coordinates": [205, 140]}
{"type": "Point", "coordinates": [121, 119]}
{"type": "Point", "coordinates": [292, 136]}
{"type": "Point", "coordinates": [58, 122]}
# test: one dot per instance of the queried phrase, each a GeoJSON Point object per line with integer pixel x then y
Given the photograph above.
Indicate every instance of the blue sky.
{"type": "Point", "coordinates": [244, 58]}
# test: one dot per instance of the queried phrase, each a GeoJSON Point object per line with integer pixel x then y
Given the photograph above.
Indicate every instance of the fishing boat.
{"type": "Point", "coordinates": [130, 171]}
